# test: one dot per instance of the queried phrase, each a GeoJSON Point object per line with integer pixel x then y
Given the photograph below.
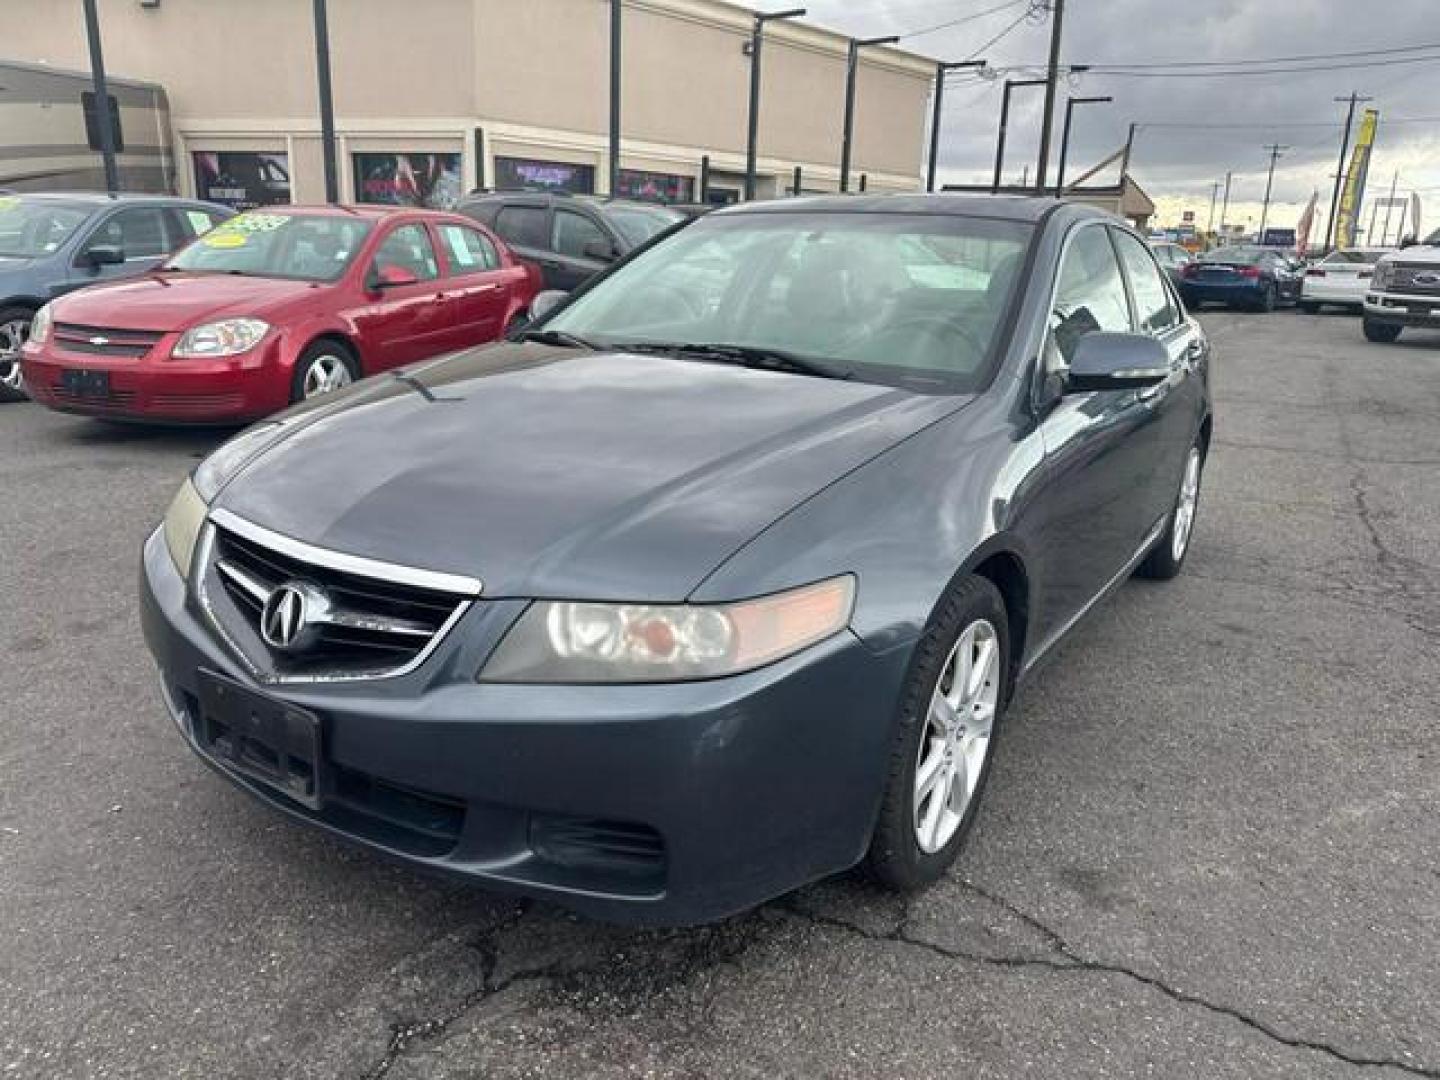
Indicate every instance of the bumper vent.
{"type": "Point", "coordinates": [614, 851]}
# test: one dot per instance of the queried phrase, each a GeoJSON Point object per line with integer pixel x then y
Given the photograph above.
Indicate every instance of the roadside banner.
{"type": "Point", "coordinates": [1307, 222]}
{"type": "Point", "coordinates": [1354, 191]}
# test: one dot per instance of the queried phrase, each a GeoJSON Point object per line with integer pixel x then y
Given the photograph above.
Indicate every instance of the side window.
{"type": "Point", "coordinates": [523, 226]}
{"type": "Point", "coordinates": [185, 223]}
{"type": "Point", "coordinates": [574, 231]}
{"type": "Point", "coordinates": [1089, 296]}
{"type": "Point", "coordinates": [140, 233]}
{"type": "Point", "coordinates": [409, 248]}
{"type": "Point", "coordinates": [467, 250]}
{"type": "Point", "coordinates": [1155, 311]}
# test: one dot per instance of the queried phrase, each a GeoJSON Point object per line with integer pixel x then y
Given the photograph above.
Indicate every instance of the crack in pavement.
{"type": "Point", "coordinates": [1072, 961]}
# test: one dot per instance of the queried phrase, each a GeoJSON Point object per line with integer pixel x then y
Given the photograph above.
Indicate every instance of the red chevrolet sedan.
{"type": "Point", "coordinates": [273, 307]}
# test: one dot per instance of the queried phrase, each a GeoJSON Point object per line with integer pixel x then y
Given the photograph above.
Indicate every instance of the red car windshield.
{"type": "Point", "coordinates": [304, 247]}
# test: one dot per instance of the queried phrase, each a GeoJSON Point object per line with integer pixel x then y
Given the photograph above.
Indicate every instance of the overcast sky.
{"type": "Point", "coordinates": [1178, 164]}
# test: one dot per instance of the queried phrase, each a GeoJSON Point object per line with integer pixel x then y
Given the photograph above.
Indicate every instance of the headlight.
{"type": "Point", "coordinates": [40, 325]}
{"type": "Point", "coordinates": [182, 526]}
{"type": "Point", "coordinates": [228, 337]}
{"type": "Point", "coordinates": [215, 471]}
{"type": "Point", "coordinates": [570, 642]}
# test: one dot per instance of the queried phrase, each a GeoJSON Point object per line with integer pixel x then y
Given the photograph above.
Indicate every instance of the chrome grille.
{"type": "Point", "coordinates": [103, 341]}
{"type": "Point", "coordinates": [1403, 279]}
{"type": "Point", "coordinates": [367, 626]}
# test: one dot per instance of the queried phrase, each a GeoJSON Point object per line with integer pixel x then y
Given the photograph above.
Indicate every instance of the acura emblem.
{"type": "Point", "coordinates": [287, 621]}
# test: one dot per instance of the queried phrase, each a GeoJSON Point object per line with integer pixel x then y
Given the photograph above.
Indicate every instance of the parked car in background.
{"type": "Point", "coordinates": [1404, 291]}
{"type": "Point", "coordinates": [1251, 277]}
{"type": "Point", "coordinates": [1172, 259]}
{"type": "Point", "coordinates": [691, 595]}
{"type": "Point", "coordinates": [273, 307]}
{"type": "Point", "coordinates": [54, 244]}
{"type": "Point", "coordinates": [569, 237]}
{"type": "Point", "coordinates": [1341, 278]}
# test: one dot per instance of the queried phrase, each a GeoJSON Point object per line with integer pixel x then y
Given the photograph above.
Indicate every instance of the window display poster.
{"type": "Point", "coordinates": [242, 180]}
{"type": "Point", "coordinates": [656, 187]}
{"type": "Point", "coordinates": [425, 179]}
{"type": "Point", "coordinates": [524, 174]}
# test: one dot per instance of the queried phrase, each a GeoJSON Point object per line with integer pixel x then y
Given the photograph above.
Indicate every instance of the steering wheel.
{"type": "Point", "coordinates": [903, 336]}
{"type": "Point", "coordinates": [686, 299]}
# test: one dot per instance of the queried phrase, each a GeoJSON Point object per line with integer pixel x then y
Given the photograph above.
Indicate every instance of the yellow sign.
{"type": "Point", "coordinates": [1353, 192]}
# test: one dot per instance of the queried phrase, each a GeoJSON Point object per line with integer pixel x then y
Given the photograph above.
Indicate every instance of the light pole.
{"type": "Point", "coordinates": [1070, 104]}
{"type": "Point", "coordinates": [941, 70]}
{"type": "Point", "coordinates": [1275, 151]}
{"type": "Point", "coordinates": [615, 32]}
{"type": "Point", "coordinates": [1225, 206]}
{"type": "Point", "coordinates": [1052, 76]}
{"type": "Point", "coordinates": [1010, 84]}
{"type": "Point", "coordinates": [757, 36]}
{"type": "Point", "coordinates": [327, 103]}
{"type": "Point", "coordinates": [1389, 205]}
{"type": "Point", "coordinates": [1214, 195]}
{"type": "Point", "coordinates": [853, 62]}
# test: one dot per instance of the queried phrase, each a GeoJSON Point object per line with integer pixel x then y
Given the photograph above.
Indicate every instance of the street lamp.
{"type": "Point", "coordinates": [1010, 84]}
{"type": "Point", "coordinates": [941, 70]}
{"type": "Point", "coordinates": [852, 62]}
{"type": "Point", "coordinates": [757, 35]}
{"type": "Point", "coordinates": [1070, 104]}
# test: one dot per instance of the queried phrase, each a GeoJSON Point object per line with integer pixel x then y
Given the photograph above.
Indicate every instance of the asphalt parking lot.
{"type": "Point", "coordinates": [1209, 847]}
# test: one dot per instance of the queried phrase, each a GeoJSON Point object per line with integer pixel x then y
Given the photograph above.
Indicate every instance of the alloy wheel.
{"type": "Point", "coordinates": [12, 336]}
{"type": "Point", "coordinates": [1185, 505]}
{"type": "Point", "coordinates": [956, 741]}
{"type": "Point", "coordinates": [326, 372]}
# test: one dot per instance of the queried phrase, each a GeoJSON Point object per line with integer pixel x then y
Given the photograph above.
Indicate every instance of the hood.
{"type": "Point", "coordinates": [177, 301]}
{"type": "Point", "coordinates": [556, 473]}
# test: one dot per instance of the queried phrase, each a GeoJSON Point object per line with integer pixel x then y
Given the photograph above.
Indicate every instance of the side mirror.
{"type": "Point", "coordinates": [546, 302]}
{"type": "Point", "coordinates": [600, 250]}
{"type": "Point", "coordinates": [104, 255]}
{"type": "Point", "coordinates": [1106, 361]}
{"type": "Point", "coordinates": [391, 277]}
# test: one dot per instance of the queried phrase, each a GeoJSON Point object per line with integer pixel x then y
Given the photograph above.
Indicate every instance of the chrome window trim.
{"type": "Point", "coordinates": [361, 566]}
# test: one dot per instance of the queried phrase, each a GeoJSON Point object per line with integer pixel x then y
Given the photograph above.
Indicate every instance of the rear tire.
{"type": "Point", "coordinates": [1381, 333]}
{"type": "Point", "coordinates": [14, 329]}
{"type": "Point", "coordinates": [1268, 299]}
{"type": "Point", "coordinates": [1168, 555]}
{"type": "Point", "coordinates": [951, 710]}
{"type": "Point", "coordinates": [325, 366]}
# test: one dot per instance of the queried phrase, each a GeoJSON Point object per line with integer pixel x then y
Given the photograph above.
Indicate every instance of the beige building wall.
{"type": "Point", "coordinates": [533, 74]}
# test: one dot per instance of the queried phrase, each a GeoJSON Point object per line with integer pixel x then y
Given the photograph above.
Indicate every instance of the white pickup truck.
{"type": "Point", "coordinates": [1404, 291]}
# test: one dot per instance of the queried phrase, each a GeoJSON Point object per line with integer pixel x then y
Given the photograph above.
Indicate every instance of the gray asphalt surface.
{"type": "Point", "coordinates": [1209, 848]}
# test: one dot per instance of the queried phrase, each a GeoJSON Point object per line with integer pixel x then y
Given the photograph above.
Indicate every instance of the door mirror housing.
{"type": "Point", "coordinates": [546, 302]}
{"type": "Point", "coordinates": [600, 250]}
{"type": "Point", "coordinates": [1108, 361]}
{"type": "Point", "coordinates": [391, 277]}
{"type": "Point", "coordinates": [104, 255]}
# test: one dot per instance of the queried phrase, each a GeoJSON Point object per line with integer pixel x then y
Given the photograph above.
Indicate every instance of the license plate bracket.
{"type": "Point", "coordinates": [260, 737]}
{"type": "Point", "coordinates": [84, 383]}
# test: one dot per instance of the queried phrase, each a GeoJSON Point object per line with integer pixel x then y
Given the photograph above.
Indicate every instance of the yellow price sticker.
{"type": "Point", "coordinates": [219, 239]}
{"type": "Point", "coordinates": [8, 202]}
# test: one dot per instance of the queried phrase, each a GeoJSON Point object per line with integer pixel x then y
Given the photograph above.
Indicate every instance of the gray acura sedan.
{"type": "Point", "coordinates": [719, 578]}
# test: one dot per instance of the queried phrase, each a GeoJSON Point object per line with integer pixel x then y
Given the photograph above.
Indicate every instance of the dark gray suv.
{"type": "Point", "coordinates": [569, 237]}
{"type": "Point", "coordinates": [53, 244]}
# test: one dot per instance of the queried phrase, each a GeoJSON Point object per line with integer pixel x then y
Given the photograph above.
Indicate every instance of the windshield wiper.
{"type": "Point", "coordinates": [752, 356]}
{"type": "Point", "coordinates": [556, 337]}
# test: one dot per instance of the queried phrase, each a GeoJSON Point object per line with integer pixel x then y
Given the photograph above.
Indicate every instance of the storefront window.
{"type": "Point", "coordinates": [431, 180]}
{"type": "Point", "coordinates": [516, 174]}
{"type": "Point", "coordinates": [243, 180]}
{"type": "Point", "coordinates": [657, 187]}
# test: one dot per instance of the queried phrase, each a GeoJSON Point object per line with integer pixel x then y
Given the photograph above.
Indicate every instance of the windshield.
{"type": "Point", "coordinates": [1353, 256]}
{"type": "Point", "coordinates": [915, 300]}
{"type": "Point", "coordinates": [305, 247]}
{"type": "Point", "coordinates": [36, 227]}
{"type": "Point", "coordinates": [639, 223]}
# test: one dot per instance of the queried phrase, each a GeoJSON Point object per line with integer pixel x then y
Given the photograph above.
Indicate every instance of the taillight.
{"type": "Point", "coordinates": [1189, 269]}
{"type": "Point", "coordinates": [1314, 271]}
{"type": "Point", "coordinates": [1250, 271]}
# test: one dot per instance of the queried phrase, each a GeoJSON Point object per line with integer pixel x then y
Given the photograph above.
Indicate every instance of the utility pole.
{"type": "Point", "coordinates": [1214, 195]}
{"type": "Point", "coordinates": [1275, 151]}
{"type": "Point", "coordinates": [1010, 84]}
{"type": "Point", "coordinates": [1374, 213]}
{"type": "Point", "coordinates": [1070, 104]}
{"type": "Point", "coordinates": [757, 37]}
{"type": "Point", "coordinates": [1225, 207]}
{"type": "Point", "coordinates": [941, 70]}
{"type": "Point", "coordinates": [1389, 204]}
{"type": "Point", "coordinates": [1330, 234]}
{"type": "Point", "coordinates": [1052, 76]}
{"type": "Point", "coordinates": [103, 123]}
{"type": "Point", "coordinates": [1129, 149]}
{"type": "Point", "coordinates": [1404, 213]}
{"type": "Point", "coordinates": [851, 64]}
{"type": "Point", "coordinates": [1025, 177]}
{"type": "Point", "coordinates": [615, 33]}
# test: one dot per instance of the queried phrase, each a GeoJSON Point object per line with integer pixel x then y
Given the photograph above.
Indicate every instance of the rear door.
{"type": "Point", "coordinates": [400, 324]}
{"type": "Point", "coordinates": [574, 237]}
{"type": "Point", "coordinates": [476, 282]}
{"type": "Point", "coordinates": [525, 226]}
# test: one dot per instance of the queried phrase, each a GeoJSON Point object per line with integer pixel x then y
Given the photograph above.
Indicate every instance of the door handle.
{"type": "Point", "coordinates": [491, 287]}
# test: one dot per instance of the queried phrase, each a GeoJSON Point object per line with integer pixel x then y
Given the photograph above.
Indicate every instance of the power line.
{"type": "Point", "coordinates": [1003, 33]}
{"type": "Point", "coordinates": [1106, 72]}
{"type": "Point", "coordinates": [1274, 59]}
{"type": "Point", "coordinates": [965, 19]}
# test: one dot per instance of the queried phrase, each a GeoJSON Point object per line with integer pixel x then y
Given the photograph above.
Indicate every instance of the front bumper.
{"type": "Point", "coordinates": [752, 785]}
{"type": "Point", "coordinates": [156, 387]}
{"type": "Point", "coordinates": [1393, 309]}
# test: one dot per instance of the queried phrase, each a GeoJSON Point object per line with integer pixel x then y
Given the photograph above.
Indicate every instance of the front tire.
{"type": "Point", "coordinates": [14, 329]}
{"type": "Point", "coordinates": [1168, 555]}
{"type": "Point", "coordinates": [324, 366]}
{"type": "Point", "coordinates": [950, 713]}
{"type": "Point", "coordinates": [1381, 333]}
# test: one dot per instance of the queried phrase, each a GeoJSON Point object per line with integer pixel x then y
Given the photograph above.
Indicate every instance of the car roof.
{"type": "Point", "coordinates": [1002, 207]}
{"type": "Point", "coordinates": [368, 211]}
{"type": "Point", "coordinates": [100, 198]}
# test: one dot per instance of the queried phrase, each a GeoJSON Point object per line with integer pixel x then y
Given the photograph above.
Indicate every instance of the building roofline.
{"type": "Point", "coordinates": [51, 69]}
